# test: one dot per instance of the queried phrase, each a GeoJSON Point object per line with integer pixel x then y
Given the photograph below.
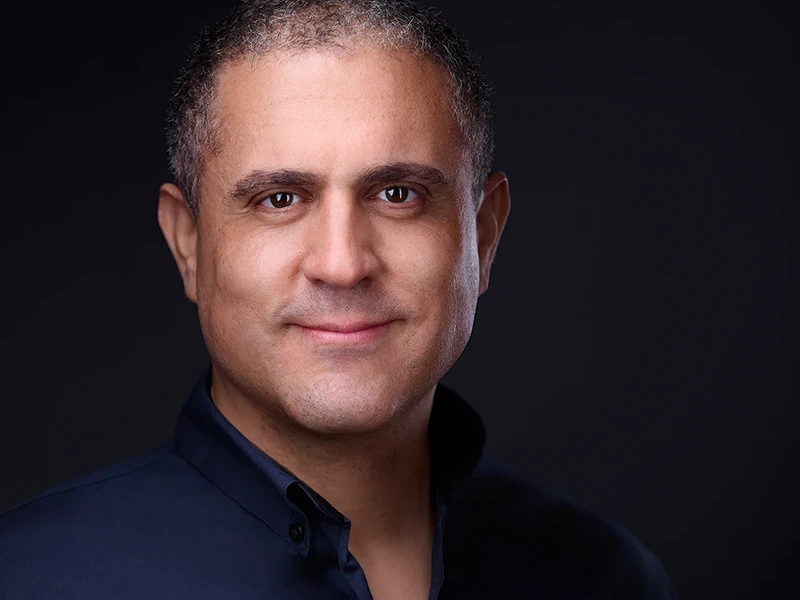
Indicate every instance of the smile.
{"type": "Point", "coordinates": [353, 333]}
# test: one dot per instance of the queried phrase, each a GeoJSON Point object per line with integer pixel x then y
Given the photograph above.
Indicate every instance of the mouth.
{"type": "Point", "coordinates": [344, 333]}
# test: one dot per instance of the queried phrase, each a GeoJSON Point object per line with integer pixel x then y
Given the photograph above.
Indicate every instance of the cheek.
{"type": "Point", "coordinates": [441, 262]}
{"type": "Point", "coordinates": [234, 279]}
{"type": "Point", "coordinates": [444, 270]}
{"type": "Point", "coordinates": [244, 262]}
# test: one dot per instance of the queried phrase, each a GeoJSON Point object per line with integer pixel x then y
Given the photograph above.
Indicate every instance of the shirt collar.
{"type": "Point", "coordinates": [207, 440]}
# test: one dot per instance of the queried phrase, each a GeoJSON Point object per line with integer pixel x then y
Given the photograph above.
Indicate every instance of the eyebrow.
{"type": "Point", "coordinates": [257, 179]}
{"type": "Point", "coordinates": [404, 170]}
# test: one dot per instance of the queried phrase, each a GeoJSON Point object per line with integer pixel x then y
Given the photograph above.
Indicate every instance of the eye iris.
{"type": "Point", "coordinates": [281, 199]}
{"type": "Point", "coordinates": [397, 194]}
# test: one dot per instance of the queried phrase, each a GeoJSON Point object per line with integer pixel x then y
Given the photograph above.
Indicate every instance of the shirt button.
{"type": "Point", "coordinates": [296, 532]}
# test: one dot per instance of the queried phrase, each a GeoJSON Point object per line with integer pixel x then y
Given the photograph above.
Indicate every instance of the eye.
{"type": "Point", "coordinates": [280, 199]}
{"type": "Point", "coordinates": [398, 194]}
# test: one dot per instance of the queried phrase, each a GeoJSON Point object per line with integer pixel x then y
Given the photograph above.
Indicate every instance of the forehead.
{"type": "Point", "coordinates": [335, 113]}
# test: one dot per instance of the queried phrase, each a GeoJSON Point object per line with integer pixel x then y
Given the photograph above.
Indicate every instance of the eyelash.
{"type": "Point", "coordinates": [412, 191]}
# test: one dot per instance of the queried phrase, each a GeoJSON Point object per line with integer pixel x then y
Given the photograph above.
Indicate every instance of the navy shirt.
{"type": "Point", "coordinates": [208, 515]}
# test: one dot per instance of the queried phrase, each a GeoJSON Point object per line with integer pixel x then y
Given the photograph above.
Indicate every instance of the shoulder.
{"type": "Point", "coordinates": [87, 491]}
{"type": "Point", "coordinates": [554, 541]}
{"type": "Point", "coordinates": [92, 518]}
{"type": "Point", "coordinates": [125, 490]}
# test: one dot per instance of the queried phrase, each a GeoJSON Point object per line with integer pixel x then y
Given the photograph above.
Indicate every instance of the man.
{"type": "Point", "coordinates": [335, 219]}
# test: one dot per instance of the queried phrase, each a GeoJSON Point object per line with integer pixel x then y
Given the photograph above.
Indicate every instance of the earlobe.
{"type": "Point", "coordinates": [491, 219]}
{"type": "Point", "coordinates": [180, 231]}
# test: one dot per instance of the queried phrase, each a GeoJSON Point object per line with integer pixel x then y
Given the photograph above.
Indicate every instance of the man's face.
{"type": "Point", "coordinates": [337, 253]}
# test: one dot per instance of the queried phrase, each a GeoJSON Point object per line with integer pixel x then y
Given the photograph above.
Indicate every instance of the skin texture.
{"type": "Point", "coordinates": [330, 240]}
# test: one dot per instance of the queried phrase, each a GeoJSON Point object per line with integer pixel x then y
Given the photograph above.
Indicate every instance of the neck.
{"type": "Point", "coordinates": [380, 480]}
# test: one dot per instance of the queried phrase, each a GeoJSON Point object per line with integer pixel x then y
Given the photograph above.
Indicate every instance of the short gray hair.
{"type": "Point", "coordinates": [257, 27]}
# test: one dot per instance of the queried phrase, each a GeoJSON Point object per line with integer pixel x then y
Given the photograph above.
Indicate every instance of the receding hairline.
{"type": "Point", "coordinates": [216, 118]}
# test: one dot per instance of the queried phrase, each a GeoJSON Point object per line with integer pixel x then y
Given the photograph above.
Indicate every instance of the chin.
{"type": "Point", "coordinates": [340, 404]}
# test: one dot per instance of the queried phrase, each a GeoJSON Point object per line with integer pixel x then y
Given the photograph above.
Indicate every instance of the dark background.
{"type": "Point", "coordinates": [632, 352]}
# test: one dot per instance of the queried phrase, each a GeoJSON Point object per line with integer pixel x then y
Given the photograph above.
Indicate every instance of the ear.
{"type": "Point", "coordinates": [492, 215]}
{"type": "Point", "coordinates": [180, 230]}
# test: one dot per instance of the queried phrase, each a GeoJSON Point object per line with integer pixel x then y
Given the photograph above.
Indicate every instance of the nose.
{"type": "Point", "coordinates": [339, 243]}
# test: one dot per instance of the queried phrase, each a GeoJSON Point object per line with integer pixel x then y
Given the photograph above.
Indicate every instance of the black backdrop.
{"type": "Point", "coordinates": [632, 352]}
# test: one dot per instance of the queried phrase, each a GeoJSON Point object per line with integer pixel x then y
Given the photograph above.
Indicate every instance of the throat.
{"type": "Point", "coordinates": [397, 568]}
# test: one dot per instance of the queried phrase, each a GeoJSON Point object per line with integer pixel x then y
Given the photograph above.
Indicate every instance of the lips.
{"type": "Point", "coordinates": [343, 326]}
{"type": "Point", "coordinates": [358, 333]}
